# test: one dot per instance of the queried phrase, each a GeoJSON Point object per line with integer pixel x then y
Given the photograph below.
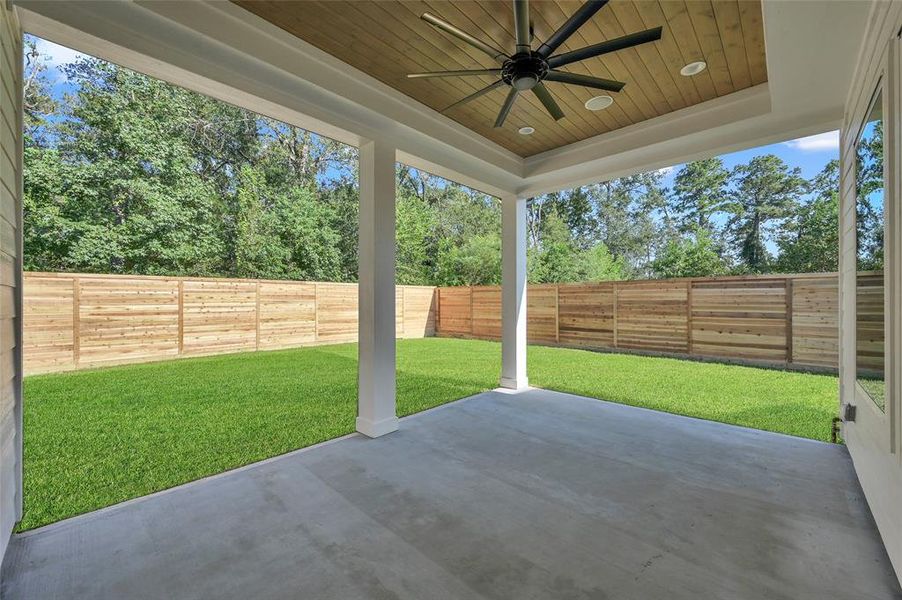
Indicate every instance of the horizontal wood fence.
{"type": "Point", "coordinates": [77, 321]}
{"type": "Point", "coordinates": [782, 320]}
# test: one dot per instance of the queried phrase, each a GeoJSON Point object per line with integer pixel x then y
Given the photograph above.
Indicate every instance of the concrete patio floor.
{"type": "Point", "coordinates": [530, 495]}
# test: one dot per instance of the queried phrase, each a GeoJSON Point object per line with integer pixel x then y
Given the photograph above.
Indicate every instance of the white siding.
{"type": "Point", "coordinates": [873, 438]}
{"type": "Point", "coordinates": [10, 273]}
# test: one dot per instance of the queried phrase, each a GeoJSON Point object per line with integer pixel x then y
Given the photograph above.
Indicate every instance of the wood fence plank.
{"type": "Point", "coordinates": [49, 316]}
{"type": "Point", "coordinates": [113, 319]}
{"type": "Point", "coordinates": [788, 331]}
{"type": "Point", "coordinates": [181, 317]}
{"type": "Point", "coordinates": [541, 306]}
{"type": "Point", "coordinates": [485, 307]}
{"type": "Point", "coordinates": [86, 320]}
{"type": "Point", "coordinates": [689, 338]}
{"type": "Point", "coordinates": [76, 321]}
{"type": "Point", "coordinates": [788, 319]}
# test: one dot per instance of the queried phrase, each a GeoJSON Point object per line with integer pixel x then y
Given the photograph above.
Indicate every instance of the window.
{"type": "Point", "coordinates": [869, 295]}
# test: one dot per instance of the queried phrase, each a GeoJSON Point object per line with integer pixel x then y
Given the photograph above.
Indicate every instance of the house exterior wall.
{"type": "Point", "coordinates": [10, 272]}
{"type": "Point", "coordinates": [873, 438]}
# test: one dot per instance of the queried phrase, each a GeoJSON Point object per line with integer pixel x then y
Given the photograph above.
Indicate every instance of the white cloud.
{"type": "Point", "coordinates": [667, 170]}
{"type": "Point", "coordinates": [816, 143]}
{"type": "Point", "coordinates": [57, 55]}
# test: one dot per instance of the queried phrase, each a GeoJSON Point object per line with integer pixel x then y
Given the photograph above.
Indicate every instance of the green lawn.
{"type": "Point", "coordinates": [94, 438]}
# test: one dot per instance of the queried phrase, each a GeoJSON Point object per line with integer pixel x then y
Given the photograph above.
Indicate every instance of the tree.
{"type": "Point", "coordinates": [38, 102]}
{"type": "Point", "coordinates": [303, 223]}
{"type": "Point", "coordinates": [598, 264]}
{"type": "Point", "coordinates": [464, 232]}
{"type": "Point", "coordinates": [414, 226]}
{"type": "Point", "coordinates": [258, 253]}
{"type": "Point", "coordinates": [810, 241]}
{"type": "Point", "coordinates": [555, 258]}
{"type": "Point", "coordinates": [870, 195]}
{"type": "Point", "coordinates": [628, 224]}
{"type": "Point", "coordinates": [699, 192]}
{"type": "Point", "coordinates": [576, 207]}
{"type": "Point", "coordinates": [477, 261]}
{"type": "Point", "coordinates": [128, 174]}
{"type": "Point", "coordinates": [138, 176]}
{"type": "Point", "coordinates": [117, 190]}
{"type": "Point", "coordinates": [558, 257]}
{"type": "Point", "coordinates": [765, 191]}
{"type": "Point", "coordinates": [694, 255]}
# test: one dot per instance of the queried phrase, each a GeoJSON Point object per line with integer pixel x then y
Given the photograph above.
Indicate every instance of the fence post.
{"type": "Point", "coordinates": [315, 313]}
{"type": "Point", "coordinates": [614, 292]}
{"type": "Point", "coordinates": [437, 314]}
{"type": "Point", "coordinates": [788, 283]}
{"type": "Point", "coordinates": [557, 313]}
{"type": "Point", "coordinates": [403, 301]}
{"type": "Point", "coordinates": [689, 316]}
{"type": "Point", "coordinates": [181, 316]}
{"type": "Point", "coordinates": [471, 311]}
{"type": "Point", "coordinates": [76, 321]}
{"type": "Point", "coordinates": [257, 315]}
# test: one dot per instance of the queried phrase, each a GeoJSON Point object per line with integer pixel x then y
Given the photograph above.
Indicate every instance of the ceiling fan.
{"type": "Point", "coordinates": [528, 69]}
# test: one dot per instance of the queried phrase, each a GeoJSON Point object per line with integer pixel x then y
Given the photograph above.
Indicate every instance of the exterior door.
{"type": "Point", "coordinates": [871, 274]}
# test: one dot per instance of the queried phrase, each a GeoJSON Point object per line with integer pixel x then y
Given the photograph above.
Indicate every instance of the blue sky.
{"type": "Point", "coordinates": [56, 57]}
{"type": "Point", "coordinates": [810, 153]}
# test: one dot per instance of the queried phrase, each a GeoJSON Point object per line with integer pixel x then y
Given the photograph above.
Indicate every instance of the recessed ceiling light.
{"type": "Point", "coordinates": [693, 68]}
{"type": "Point", "coordinates": [526, 131]}
{"type": "Point", "coordinates": [599, 102]}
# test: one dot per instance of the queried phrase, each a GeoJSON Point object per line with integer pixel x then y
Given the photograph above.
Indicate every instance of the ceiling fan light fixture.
{"type": "Point", "coordinates": [525, 82]}
{"type": "Point", "coordinates": [693, 68]}
{"type": "Point", "coordinates": [599, 102]}
{"type": "Point", "coordinates": [526, 130]}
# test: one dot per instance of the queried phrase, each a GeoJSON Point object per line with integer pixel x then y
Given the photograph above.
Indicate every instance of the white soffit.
{"type": "Point", "coordinates": [219, 49]}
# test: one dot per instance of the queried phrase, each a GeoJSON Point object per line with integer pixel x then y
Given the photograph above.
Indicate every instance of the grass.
{"type": "Point", "coordinates": [799, 404]}
{"type": "Point", "coordinates": [94, 438]}
{"type": "Point", "coordinates": [876, 390]}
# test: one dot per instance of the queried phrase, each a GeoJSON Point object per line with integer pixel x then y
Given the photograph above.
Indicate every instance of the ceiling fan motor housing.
{"type": "Point", "coordinates": [524, 71]}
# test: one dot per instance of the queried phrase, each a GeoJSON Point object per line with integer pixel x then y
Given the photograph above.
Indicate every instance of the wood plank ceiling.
{"type": "Point", "coordinates": [386, 39]}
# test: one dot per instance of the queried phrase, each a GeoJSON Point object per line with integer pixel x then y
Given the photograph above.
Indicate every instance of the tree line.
{"type": "Point", "coordinates": [127, 174]}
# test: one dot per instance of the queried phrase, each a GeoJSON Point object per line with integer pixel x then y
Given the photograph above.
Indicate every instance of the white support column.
{"type": "Point", "coordinates": [376, 290]}
{"type": "Point", "coordinates": [513, 293]}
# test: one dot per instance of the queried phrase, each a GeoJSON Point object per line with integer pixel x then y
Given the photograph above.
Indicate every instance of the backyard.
{"type": "Point", "coordinates": [98, 437]}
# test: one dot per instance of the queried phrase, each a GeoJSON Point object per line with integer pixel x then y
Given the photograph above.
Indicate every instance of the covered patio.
{"type": "Point", "coordinates": [516, 493]}
{"type": "Point", "coordinates": [533, 494]}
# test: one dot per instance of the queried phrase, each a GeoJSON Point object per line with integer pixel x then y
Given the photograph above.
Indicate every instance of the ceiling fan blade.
{"type": "Point", "coordinates": [627, 41]}
{"type": "Point", "coordinates": [576, 20]}
{"type": "Point", "coordinates": [475, 95]}
{"type": "Point", "coordinates": [463, 36]}
{"type": "Point", "coordinates": [465, 73]}
{"type": "Point", "coordinates": [585, 81]}
{"type": "Point", "coordinates": [548, 102]}
{"type": "Point", "coordinates": [521, 24]}
{"type": "Point", "coordinates": [506, 107]}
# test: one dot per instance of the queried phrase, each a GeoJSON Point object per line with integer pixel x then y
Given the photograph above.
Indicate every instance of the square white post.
{"type": "Point", "coordinates": [376, 291]}
{"type": "Point", "coordinates": [513, 293]}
